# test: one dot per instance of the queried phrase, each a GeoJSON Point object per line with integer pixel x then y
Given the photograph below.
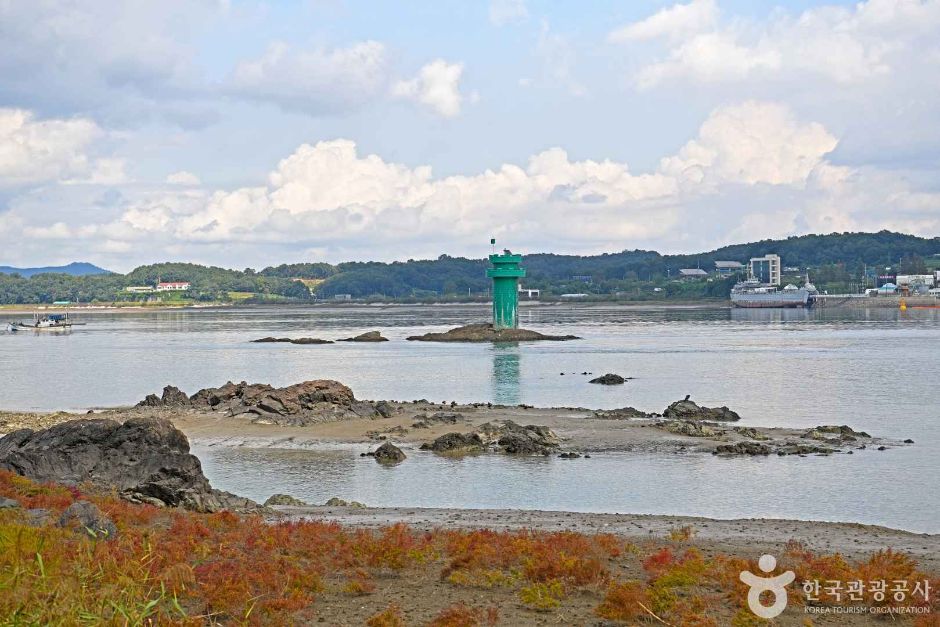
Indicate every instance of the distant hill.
{"type": "Point", "coordinates": [76, 268]}
{"type": "Point", "coordinates": [838, 262]}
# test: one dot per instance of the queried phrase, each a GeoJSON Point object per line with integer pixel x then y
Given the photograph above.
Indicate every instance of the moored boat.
{"type": "Point", "coordinates": [44, 322]}
{"type": "Point", "coordinates": [754, 294]}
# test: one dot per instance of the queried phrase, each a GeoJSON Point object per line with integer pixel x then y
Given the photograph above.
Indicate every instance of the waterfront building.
{"type": "Point", "coordinates": [692, 273]}
{"type": "Point", "coordinates": [766, 269]}
{"type": "Point", "coordinates": [726, 268]}
{"type": "Point", "coordinates": [173, 286]}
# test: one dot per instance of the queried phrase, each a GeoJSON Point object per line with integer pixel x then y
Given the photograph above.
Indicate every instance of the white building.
{"type": "Point", "coordinates": [173, 286]}
{"type": "Point", "coordinates": [139, 289]}
{"type": "Point", "coordinates": [919, 279]}
{"type": "Point", "coordinates": [766, 269]}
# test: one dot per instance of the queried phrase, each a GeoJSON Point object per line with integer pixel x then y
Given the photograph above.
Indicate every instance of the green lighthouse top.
{"type": "Point", "coordinates": [506, 265]}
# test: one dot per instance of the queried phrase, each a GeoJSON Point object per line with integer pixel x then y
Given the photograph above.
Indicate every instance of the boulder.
{"type": "Point", "coordinates": [388, 453]}
{"type": "Point", "coordinates": [6, 503]}
{"type": "Point", "coordinates": [750, 432]}
{"type": "Point", "coordinates": [519, 440]}
{"type": "Point", "coordinates": [485, 332]}
{"type": "Point", "coordinates": [743, 448]}
{"type": "Point", "coordinates": [456, 443]}
{"type": "Point", "coordinates": [384, 409]}
{"type": "Point", "coordinates": [371, 336]}
{"type": "Point", "coordinates": [145, 460]}
{"type": "Point", "coordinates": [284, 500]}
{"type": "Point", "coordinates": [689, 410]}
{"type": "Point", "coordinates": [85, 518]}
{"type": "Point", "coordinates": [608, 379]}
{"type": "Point", "coordinates": [843, 431]}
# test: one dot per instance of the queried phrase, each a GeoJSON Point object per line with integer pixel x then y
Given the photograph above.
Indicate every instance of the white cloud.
{"type": "Point", "coordinates": [673, 22]}
{"type": "Point", "coordinates": [503, 12]}
{"type": "Point", "coordinates": [753, 142]}
{"type": "Point", "coordinates": [842, 44]}
{"type": "Point", "coordinates": [314, 81]}
{"type": "Point", "coordinates": [437, 86]}
{"type": "Point", "coordinates": [36, 151]}
{"type": "Point", "coordinates": [183, 178]}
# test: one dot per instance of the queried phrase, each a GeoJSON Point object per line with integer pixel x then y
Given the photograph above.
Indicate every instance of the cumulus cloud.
{"type": "Point", "coordinates": [753, 142]}
{"type": "Point", "coordinates": [183, 178]}
{"type": "Point", "coordinates": [34, 151]}
{"type": "Point", "coordinates": [313, 81]}
{"type": "Point", "coordinates": [437, 87]}
{"type": "Point", "coordinates": [841, 44]}
{"type": "Point", "coordinates": [503, 12]}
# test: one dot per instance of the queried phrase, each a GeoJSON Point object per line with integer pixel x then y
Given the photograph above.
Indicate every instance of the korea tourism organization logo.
{"type": "Point", "coordinates": [833, 596]}
{"type": "Point", "coordinates": [775, 585]}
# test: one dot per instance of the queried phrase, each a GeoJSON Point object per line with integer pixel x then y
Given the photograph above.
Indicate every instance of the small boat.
{"type": "Point", "coordinates": [44, 322]}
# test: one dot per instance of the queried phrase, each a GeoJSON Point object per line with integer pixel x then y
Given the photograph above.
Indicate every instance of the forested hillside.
{"type": "Point", "coordinates": [838, 261]}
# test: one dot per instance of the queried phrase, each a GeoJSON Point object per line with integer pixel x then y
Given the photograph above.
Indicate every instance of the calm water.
{"type": "Point", "coordinates": [877, 370]}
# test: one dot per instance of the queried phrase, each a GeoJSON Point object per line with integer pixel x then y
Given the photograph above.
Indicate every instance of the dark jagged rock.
{"type": "Point", "coordinates": [743, 448]}
{"type": "Point", "coordinates": [384, 409]}
{"type": "Point", "coordinates": [172, 397]}
{"type": "Point", "coordinates": [689, 410]}
{"type": "Point", "coordinates": [569, 455]}
{"type": "Point", "coordinates": [85, 518]}
{"type": "Point", "coordinates": [284, 500]}
{"type": "Point", "coordinates": [485, 332]}
{"type": "Point", "coordinates": [798, 448]}
{"type": "Point", "coordinates": [608, 379]}
{"type": "Point", "coordinates": [145, 460]}
{"type": "Point", "coordinates": [456, 443]}
{"type": "Point", "coordinates": [301, 404]}
{"type": "Point", "coordinates": [371, 336]}
{"type": "Point", "coordinates": [520, 440]}
{"type": "Point", "coordinates": [388, 453]}
{"type": "Point", "coordinates": [843, 431]}
{"type": "Point", "coordinates": [288, 340]}
{"type": "Point", "coordinates": [623, 413]}
{"type": "Point", "coordinates": [908, 441]}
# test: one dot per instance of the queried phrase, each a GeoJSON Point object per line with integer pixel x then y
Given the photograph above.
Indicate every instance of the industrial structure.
{"type": "Point", "coordinates": [505, 273]}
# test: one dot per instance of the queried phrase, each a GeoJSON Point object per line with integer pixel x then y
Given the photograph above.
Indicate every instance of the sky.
{"type": "Point", "coordinates": [246, 134]}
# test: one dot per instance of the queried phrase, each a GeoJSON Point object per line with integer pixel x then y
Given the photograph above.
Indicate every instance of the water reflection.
{"type": "Point", "coordinates": [505, 380]}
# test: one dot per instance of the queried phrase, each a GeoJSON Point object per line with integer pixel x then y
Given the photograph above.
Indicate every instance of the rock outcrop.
{"type": "Point", "coordinates": [284, 500]}
{"type": "Point", "coordinates": [388, 453]}
{"type": "Point", "coordinates": [371, 336]}
{"type": "Point", "coordinates": [145, 460]}
{"type": "Point", "coordinates": [485, 332]}
{"type": "Point", "coordinates": [288, 340]}
{"type": "Point", "coordinates": [338, 502]}
{"type": "Point", "coordinates": [688, 428]}
{"type": "Point", "coordinates": [842, 432]}
{"type": "Point", "coordinates": [310, 402]}
{"type": "Point", "coordinates": [608, 379]}
{"type": "Point", "coordinates": [689, 410]}
{"type": "Point", "coordinates": [742, 448]}
{"type": "Point", "coordinates": [456, 443]}
{"type": "Point", "coordinates": [517, 439]}
{"type": "Point", "coordinates": [623, 413]}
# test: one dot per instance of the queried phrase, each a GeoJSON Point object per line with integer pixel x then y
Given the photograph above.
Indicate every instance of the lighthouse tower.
{"type": "Point", "coordinates": [505, 273]}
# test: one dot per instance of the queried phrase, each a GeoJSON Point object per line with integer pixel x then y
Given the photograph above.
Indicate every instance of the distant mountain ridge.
{"type": "Point", "coordinates": [76, 268]}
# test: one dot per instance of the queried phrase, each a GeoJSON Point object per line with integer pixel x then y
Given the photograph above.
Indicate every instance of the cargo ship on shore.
{"type": "Point", "coordinates": [753, 293]}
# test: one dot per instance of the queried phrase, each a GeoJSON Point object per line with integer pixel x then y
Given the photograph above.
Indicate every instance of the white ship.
{"type": "Point", "coordinates": [753, 293]}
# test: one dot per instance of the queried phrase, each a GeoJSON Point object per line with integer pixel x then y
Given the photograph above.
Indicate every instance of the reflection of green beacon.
{"type": "Point", "coordinates": [505, 273]}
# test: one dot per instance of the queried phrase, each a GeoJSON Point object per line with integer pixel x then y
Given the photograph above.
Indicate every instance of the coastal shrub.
{"type": "Point", "coordinates": [542, 596]}
{"type": "Point", "coordinates": [624, 601]}
{"type": "Point", "coordinates": [681, 534]}
{"type": "Point", "coordinates": [462, 615]}
{"type": "Point", "coordinates": [389, 617]}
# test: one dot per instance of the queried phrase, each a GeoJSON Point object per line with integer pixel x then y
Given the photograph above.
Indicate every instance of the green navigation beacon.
{"type": "Point", "coordinates": [505, 273]}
